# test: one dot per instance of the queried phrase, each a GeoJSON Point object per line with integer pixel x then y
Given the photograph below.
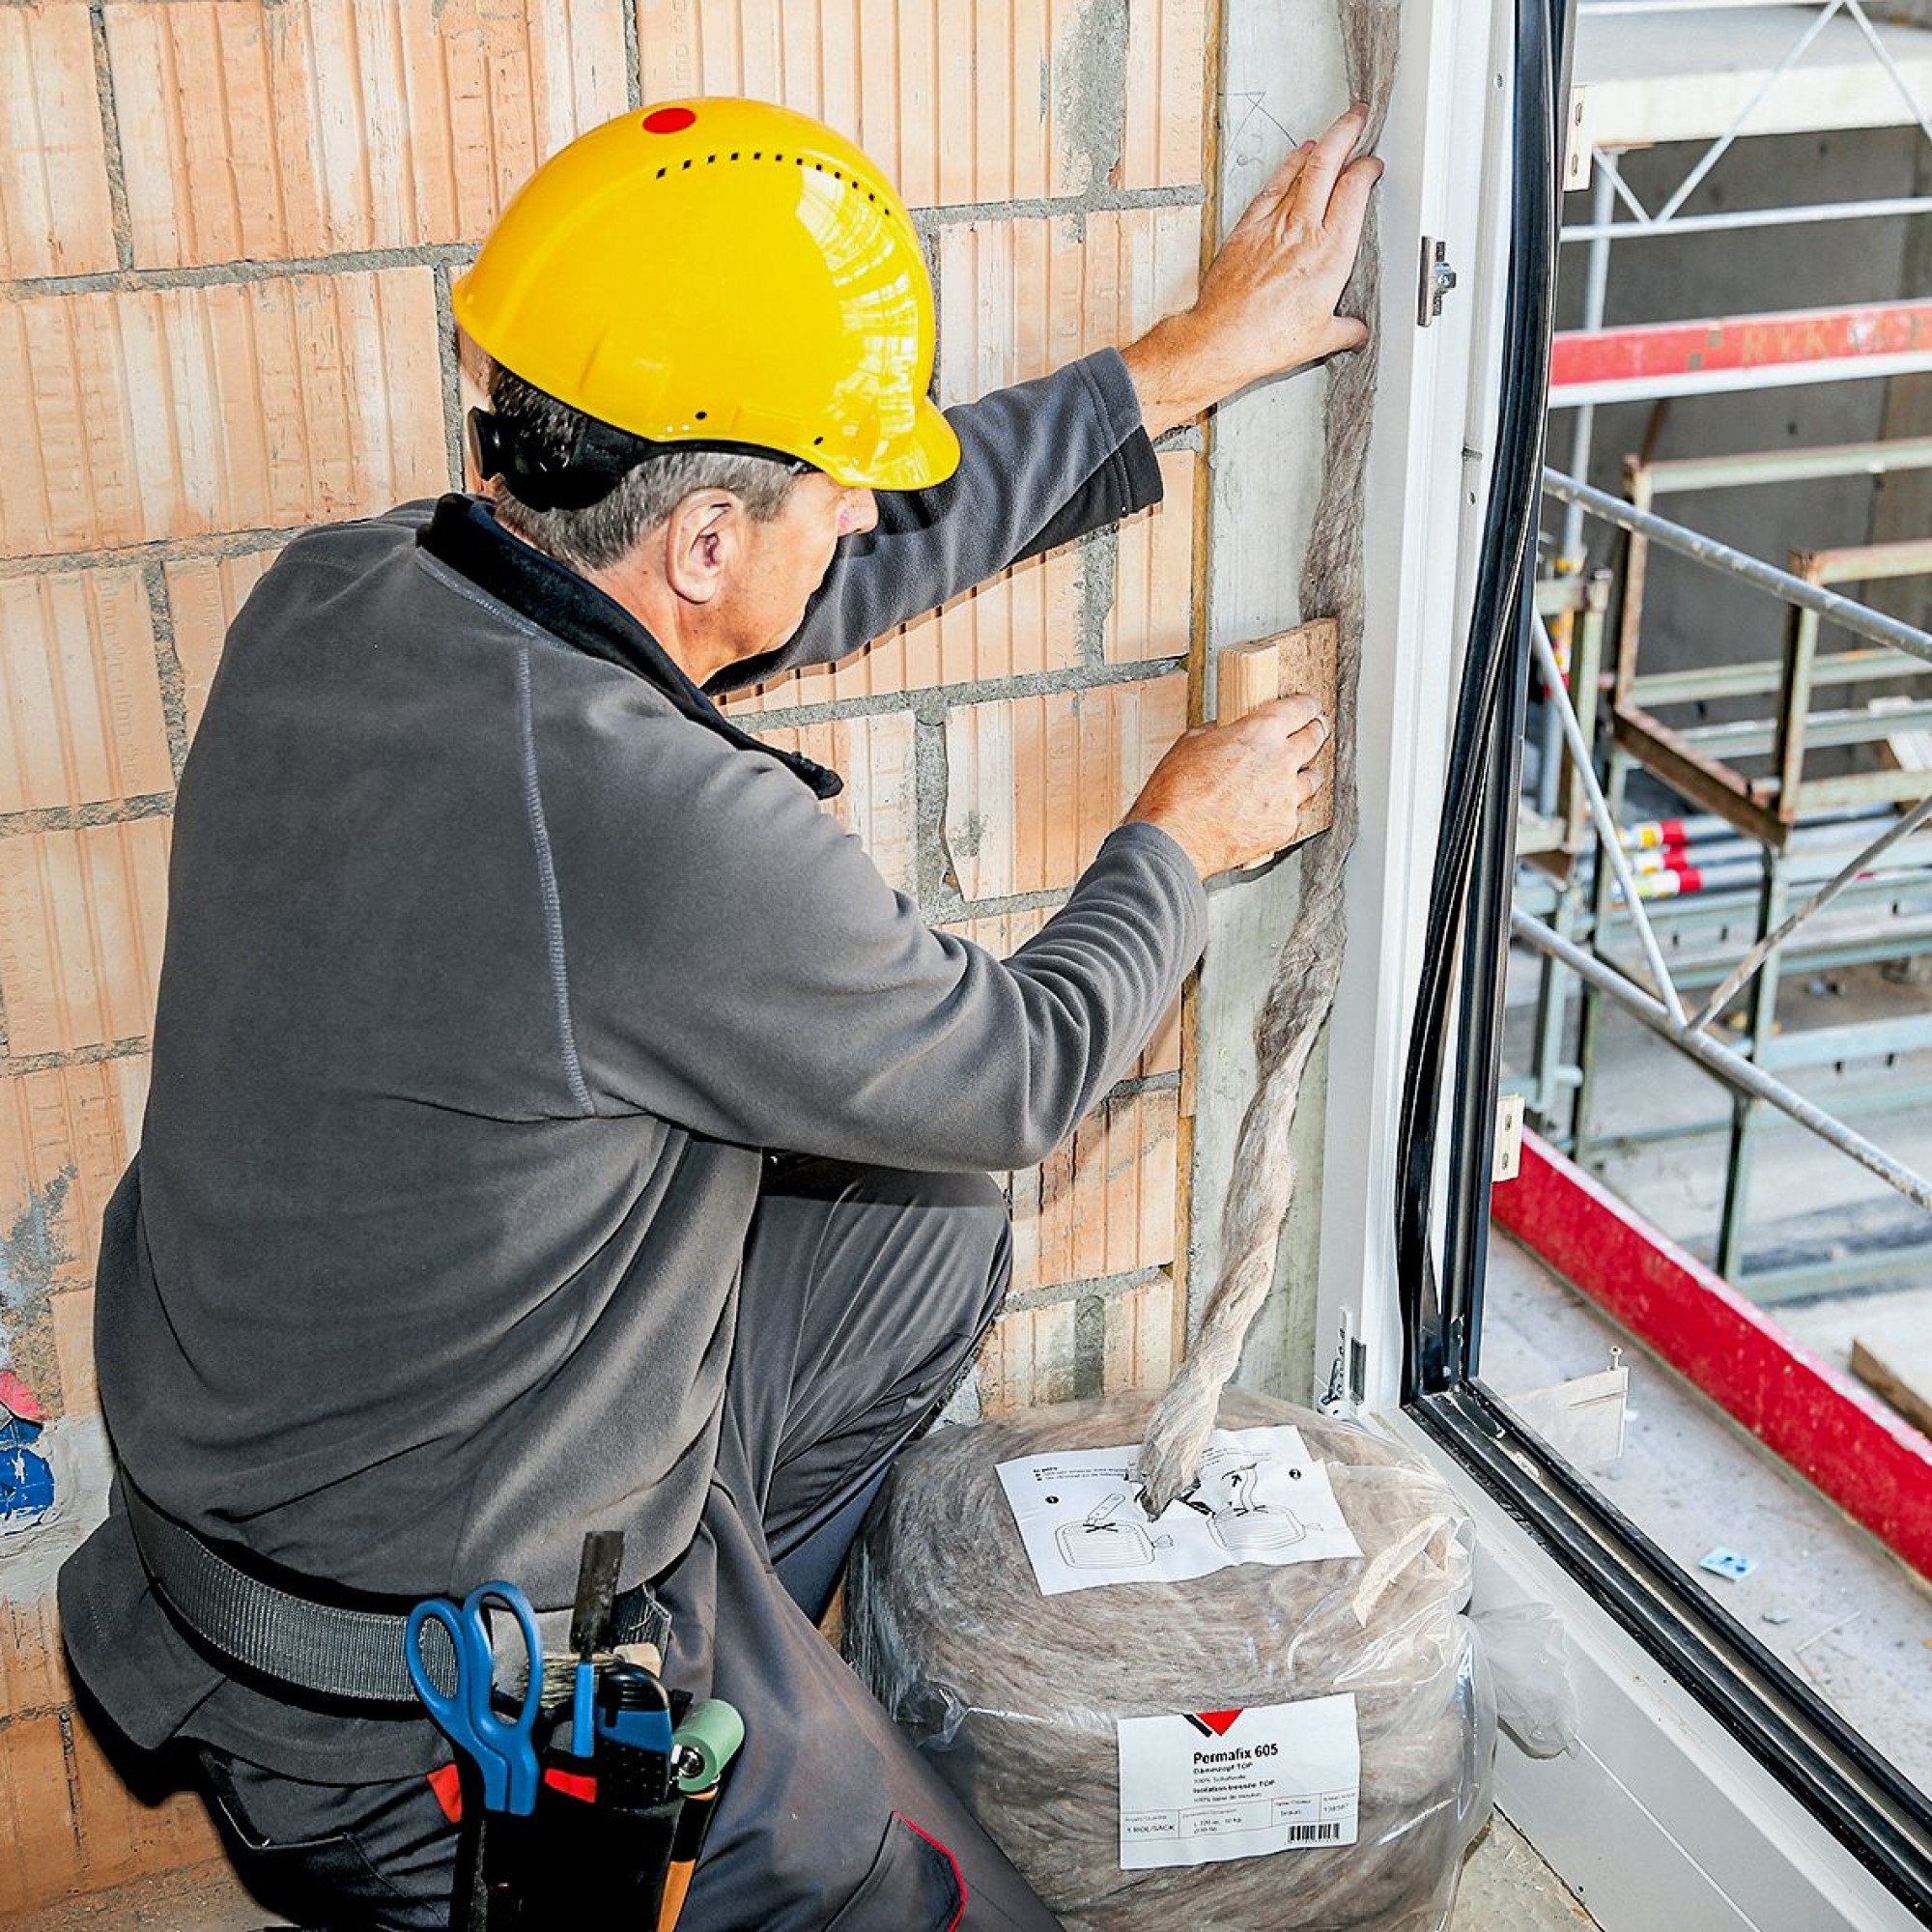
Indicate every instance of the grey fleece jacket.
{"type": "Point", "coordinates": [495, 958]}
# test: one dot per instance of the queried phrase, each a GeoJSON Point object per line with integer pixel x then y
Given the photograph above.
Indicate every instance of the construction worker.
{"type": "Point", "coordinates": [556, 1122]}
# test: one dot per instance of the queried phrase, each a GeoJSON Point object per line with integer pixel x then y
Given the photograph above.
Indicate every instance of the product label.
{"type": "Point", "coordinates": [1212, 1786]}
{"type": "Point", "coordinates": [1261, 1498]}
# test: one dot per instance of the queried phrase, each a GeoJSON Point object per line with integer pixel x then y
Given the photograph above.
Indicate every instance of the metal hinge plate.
{"type": "Point", "coordinates": [1437, 279]}
{"type": "Point", "coordinates": [1508, 1158]}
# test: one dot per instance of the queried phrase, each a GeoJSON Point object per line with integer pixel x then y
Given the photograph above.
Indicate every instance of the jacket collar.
{"type": "Point", "coordinates": [464, 534]}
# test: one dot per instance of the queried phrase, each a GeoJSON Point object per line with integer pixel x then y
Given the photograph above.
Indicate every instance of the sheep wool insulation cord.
{"type": "Point", "coordinates": [1310, 966]}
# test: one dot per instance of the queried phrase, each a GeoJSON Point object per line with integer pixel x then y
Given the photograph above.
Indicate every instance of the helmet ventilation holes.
{"type": "Point", "coordinates": [830, 394]}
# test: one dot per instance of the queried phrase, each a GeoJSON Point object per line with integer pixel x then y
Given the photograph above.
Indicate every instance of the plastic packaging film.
{"type": "Point", "coordinates": [1018, 1697]}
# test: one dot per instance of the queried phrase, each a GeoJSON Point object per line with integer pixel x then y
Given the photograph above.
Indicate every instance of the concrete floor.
{"type": "Point", "coordinates": [202, 1898]}
{"type": "Point", "coordinates": [1827, 1328]}
{"type": "Point", "coordinates": [1506, 1887]}
{"type": "Point", "coordinates": [1825, 1596]}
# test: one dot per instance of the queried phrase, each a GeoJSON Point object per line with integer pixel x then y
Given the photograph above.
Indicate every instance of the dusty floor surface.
{"type": "Point", "coordinates": [1824, 1595]}
{"type": "Point", "coordinates": [1506, 1887]}
{"type": "Point", "coordinates": [1845, 1613]}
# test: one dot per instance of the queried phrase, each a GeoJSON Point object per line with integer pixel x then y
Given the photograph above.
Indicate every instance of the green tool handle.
{"type": "Point", "coordinates": [704, 1744]}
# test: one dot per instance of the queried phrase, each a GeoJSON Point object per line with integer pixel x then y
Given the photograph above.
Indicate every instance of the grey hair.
{"type": "Point", "coordinates": [596, 537]}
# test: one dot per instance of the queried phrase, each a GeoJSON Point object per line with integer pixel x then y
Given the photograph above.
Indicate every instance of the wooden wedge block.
{"type": "Point", "coordinates": [1297, 661]}
{"type": "Point", "coordinates": [1895, 1360]}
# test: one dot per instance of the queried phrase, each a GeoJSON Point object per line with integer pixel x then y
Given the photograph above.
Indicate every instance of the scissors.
{"type": "Point", "coordinates": [502, 1747]}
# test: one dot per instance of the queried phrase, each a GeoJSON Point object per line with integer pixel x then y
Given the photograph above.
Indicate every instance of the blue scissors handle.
{"type": "Point", "coordinates": [502, 1747]}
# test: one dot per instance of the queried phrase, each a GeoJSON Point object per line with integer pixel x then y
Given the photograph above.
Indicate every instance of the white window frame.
{"type": "Point", "coordinates": [1661, 1821]}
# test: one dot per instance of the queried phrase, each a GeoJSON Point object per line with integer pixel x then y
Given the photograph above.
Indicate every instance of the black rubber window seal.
{"type": "Point", "coordinates": [1855, 1792]}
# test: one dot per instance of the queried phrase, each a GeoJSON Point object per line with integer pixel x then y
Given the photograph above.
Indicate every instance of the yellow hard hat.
{"type": "Point", "coordinates": [721, 271]}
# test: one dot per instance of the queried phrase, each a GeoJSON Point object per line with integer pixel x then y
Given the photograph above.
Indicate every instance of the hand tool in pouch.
{"type": "Point", "coordinates": [701, 1753]}
{"type": "Point", "coordinates": [608, 1810]}
{"type": "Point", "coordinates": [445, 1644]}
{"type": "Point", "coordinates": [593, 1628]}
{"type": "Point", "coordinates": [589, 1810]}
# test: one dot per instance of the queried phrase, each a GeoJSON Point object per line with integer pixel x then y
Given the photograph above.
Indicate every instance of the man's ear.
{"type": "Point", "coordinates": [704, 542]}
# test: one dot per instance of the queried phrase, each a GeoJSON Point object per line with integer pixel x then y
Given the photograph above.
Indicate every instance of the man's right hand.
{"type": "Point", "coordinates": [1230, 794]}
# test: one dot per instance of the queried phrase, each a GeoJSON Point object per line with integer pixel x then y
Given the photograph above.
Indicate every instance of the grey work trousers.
{"type": "Point", "coordinates": [866, 1292]}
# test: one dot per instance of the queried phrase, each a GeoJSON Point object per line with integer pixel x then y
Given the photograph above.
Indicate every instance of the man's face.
{"type": "Point", "coordinates": [786, 560]}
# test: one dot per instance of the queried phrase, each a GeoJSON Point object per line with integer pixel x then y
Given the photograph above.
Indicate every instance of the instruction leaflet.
{"type": "Point", "coordinates": [1207, 1786]}
{"type": "Point", "coordinates": [1261, 1498]}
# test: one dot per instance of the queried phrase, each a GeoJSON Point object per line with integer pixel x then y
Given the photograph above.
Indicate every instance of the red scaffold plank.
{"type": "Point", "coordinates": [1737, 352]}
{"type": "Point", "coordinates": [1836, 1435]}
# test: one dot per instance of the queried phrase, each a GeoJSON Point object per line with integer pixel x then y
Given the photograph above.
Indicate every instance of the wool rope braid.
{"type": "Point", "coordinates": [1310, 966]}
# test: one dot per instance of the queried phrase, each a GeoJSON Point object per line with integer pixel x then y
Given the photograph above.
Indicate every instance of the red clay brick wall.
{"type": "Point", "coordinates": [228, 229]}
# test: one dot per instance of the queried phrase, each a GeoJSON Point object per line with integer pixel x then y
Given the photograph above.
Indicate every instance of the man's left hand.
{"type": "Point", "coordinates": [1267, 299]}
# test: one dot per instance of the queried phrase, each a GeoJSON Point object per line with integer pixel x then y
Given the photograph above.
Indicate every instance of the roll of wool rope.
{"type": "Point", "coordinates": [1017, 1696]}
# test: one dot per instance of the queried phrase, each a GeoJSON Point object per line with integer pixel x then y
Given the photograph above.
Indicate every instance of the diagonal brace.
{"type": "Point", "coordinates": [1903, 828]}
{"type": "Point", "coordinates": [1600, 814]}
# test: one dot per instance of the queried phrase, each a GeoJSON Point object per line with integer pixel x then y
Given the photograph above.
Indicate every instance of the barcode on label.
{"type": "Point", "coordinates": [1313, 1834]}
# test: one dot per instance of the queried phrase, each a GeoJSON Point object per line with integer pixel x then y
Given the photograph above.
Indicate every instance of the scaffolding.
{"type": "Point", "coordinates": [1597, 909]}
{"type": "Point", "coordinates": [1690, 926]}
{"type": "Point", "coordinates": [1713, 73]}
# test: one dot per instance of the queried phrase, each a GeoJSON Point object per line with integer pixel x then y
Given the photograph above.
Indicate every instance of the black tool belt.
{"type": "Point", "coordinates": [329, 1649]}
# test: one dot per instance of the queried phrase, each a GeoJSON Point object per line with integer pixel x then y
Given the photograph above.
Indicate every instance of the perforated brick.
{"type": "Point", "coordinates": [322, 127]}
{"type": "Point", "coordinates": [955, 99]}
{"type": "Point", "coordinates": [1152, 612]}
{"type": "Point", "coordinates": [81, 919]}
{"type": "Point", "coordinates": [1104, 1203]}
{"type": "Point", "coordinates": [1164, 134]}
{"type": "Point", "coordinates": [79, 691]}
{"type": "Point", "coordinates": [122, 1837]}
{"type": "Point", "coordinates": [55, 214]}
{"type": "Point", "coordinates": [1019, 298]}
{"type": "Point", "coordinates": [960, 100]}
{"type": "Point", "coordinates": [33, 1666]}
{"type": "Point", "coordinates": [72, 1318]}
{"type": "Point", "coordinates": [175, 412]}
{"type": "Point", "coordinates": [40, 1845]}
{"type": "Point", "coordinates": [66, 1135]}
{"type": "Point", "coordinates": [807, 54]}
{"type": "Point", "coordinates": [1030, 1356]}
{"type": "Point", "coordinates": [1035, 783]}
{"type": "Point", "coordinates": [1140, 1338]}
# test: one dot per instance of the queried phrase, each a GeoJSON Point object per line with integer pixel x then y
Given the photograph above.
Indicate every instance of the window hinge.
{"type": "Point", "coordinates": [1508, 1157]}
{"type": "Point", "coordinates": [1437, 279]}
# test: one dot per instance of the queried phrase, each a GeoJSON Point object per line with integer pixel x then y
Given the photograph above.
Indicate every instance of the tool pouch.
{"type": "Point", "coordinates": [570, 1863]}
